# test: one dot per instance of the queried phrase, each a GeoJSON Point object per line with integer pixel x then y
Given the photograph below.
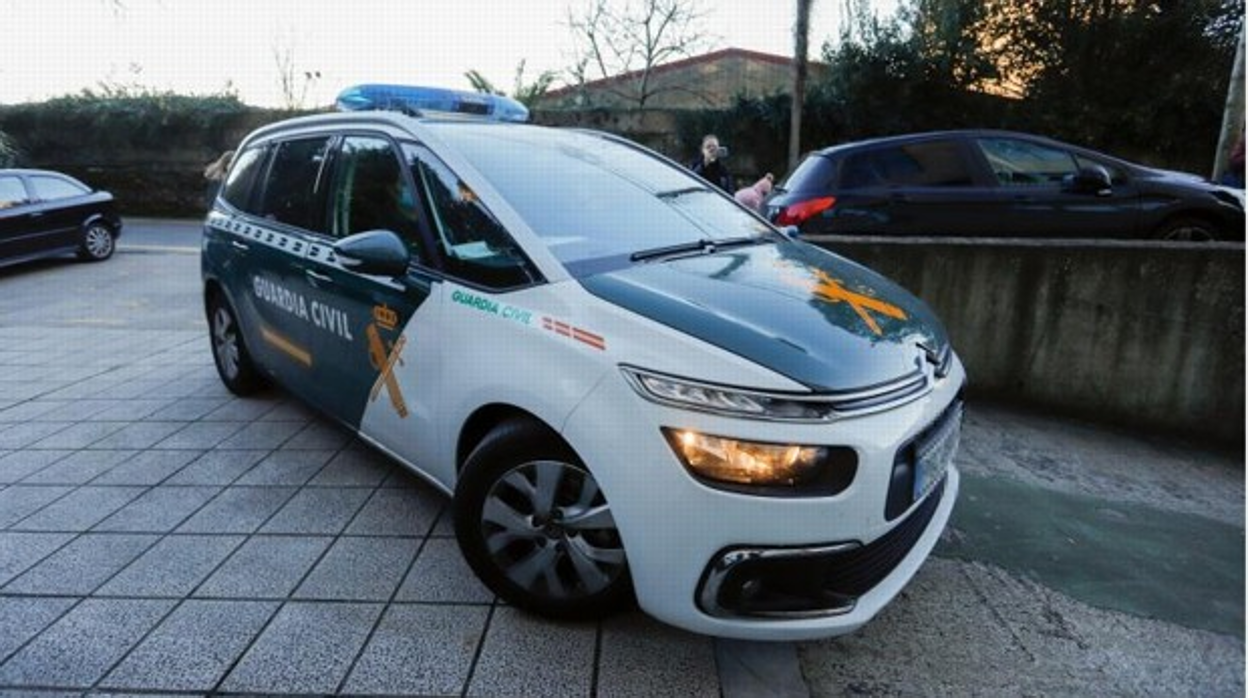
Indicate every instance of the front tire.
{"type": "Point", "coordinates": [534, 526]}
{"type": "Point", "coordinates": [1187, 229]}
{"type": "Point", "coordinates": [229, 352]}
{"type": "Point", "coordinates": [98, 242]}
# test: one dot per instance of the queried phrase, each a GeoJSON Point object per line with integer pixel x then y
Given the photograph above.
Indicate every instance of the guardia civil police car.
{"type": "Point", "coordinates": [630, 385]}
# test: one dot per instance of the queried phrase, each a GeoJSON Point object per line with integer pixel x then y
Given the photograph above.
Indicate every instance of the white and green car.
{"type": "Point", "coordinates": [630, 385]}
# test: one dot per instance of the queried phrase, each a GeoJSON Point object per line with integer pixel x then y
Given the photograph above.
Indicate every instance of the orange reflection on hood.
{"type": "Point", "coordinates": [831, 290]}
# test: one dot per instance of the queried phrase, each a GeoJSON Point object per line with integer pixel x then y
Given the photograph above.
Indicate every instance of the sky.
{"type": "Point", "coordinates": [50, 48]}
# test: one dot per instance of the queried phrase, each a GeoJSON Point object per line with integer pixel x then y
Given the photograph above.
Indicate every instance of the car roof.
{"type": "Point", "coordinates": [391, 120]}
{"type": "Point", "coordinates": [931, 135]}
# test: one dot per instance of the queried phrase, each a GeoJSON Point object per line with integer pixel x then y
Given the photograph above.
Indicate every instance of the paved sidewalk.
{"type": "Point", "coordinates": [157, 534]}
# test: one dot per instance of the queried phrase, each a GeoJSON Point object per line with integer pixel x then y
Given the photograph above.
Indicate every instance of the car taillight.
{"type": "Point", "coordinates": [803, 211]}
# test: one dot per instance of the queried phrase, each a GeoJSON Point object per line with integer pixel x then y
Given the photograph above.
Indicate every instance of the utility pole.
{"type": "Point", "coordinates": [1233, 116]}
{"type": "Point", "coordinates": [801, 39]}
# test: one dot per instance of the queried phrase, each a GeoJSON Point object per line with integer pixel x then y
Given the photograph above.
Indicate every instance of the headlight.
{"type": "Point", "coordinates": [802, 469]}
{"type": "Point", "coordinates": [721, 400]}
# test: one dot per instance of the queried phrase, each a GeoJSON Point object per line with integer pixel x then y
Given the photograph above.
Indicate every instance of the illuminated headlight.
{"type": "Point", "coordinates": [813, 469]}
{"type": "Point", "coordinates": [721, 400]}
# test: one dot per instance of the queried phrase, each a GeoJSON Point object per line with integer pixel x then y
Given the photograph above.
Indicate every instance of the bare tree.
{"type": "Point", "coordinates": [293, 81]}
{"type": "Point", "coordinates": [624, 41]}
{"type": "Point", "coordinates": [801, 40]}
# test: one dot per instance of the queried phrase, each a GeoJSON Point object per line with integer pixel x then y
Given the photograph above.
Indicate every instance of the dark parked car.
{"type": "Point", "coordinates": [997, 183]}
{"type": "Point", "coordinates": [46, 213]}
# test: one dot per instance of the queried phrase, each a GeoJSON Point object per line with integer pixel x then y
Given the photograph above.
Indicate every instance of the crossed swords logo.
{"type": "Point", "coordinates": [385, 361]}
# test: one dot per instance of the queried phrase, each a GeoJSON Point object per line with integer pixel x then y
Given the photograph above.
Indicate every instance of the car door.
{"type": "Point", "coordinates": [1035, 200]}
{"type": "Point", "coordinates": [289, 212]}
{"type": "Point", "coordinates": [922, 187]}
{"type": "Point", "coordinates": [61, 205]}
{"type": "Point", "coordinates": [15, 218]}
{"type": "Point", "coordinates": [368, 357]}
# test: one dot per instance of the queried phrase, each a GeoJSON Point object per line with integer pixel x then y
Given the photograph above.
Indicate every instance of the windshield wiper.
{"type": "Point", "coordinates": [677, 193]}
{"type": "Point", "coordinates": [703, 246]}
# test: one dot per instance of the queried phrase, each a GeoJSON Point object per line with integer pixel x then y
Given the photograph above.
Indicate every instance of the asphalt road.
{"type": "Point", "coordinates": [1080, 560]}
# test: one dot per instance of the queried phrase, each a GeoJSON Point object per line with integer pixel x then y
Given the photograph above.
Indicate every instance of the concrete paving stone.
{"type": "Point", "coordinates": [133, 389]}
{"type": "Point", "coordinates": [286, 468]}
{"type": "Point", "coordinates": [401, 477]}
{"type": "Point", "coordinates": [28, 411]}
{"type": "Point", "coordinates": [159, 510]}
{"type": "Point", "coordinates": [265, 567]}
{"type": "Point", "coordinates": [80, 567]}
{"type": "Point", "coordinates": [238, 510]}
{"type": "Point", "coordinates": [201, 436]}
{"type": "Point", "coordinates": [256, 435]}
{"type": "Point", "coordinates": [15, 466]}
{"type": "Point", "coordinates": [172, 567]}
{"type": "Point", "coordinates": [80, 435]}
{"type": "Point", "coordinates": [19, 501]}
{"type": "Point", "coordinates": [23, 435]}
{"type": "Point", "coordinates": [641, 656]}
{"type": "Point", "coordinates": [445, 527]}
{"type": "Point", "coordinates": [441, 575]}
{"type": "Point", "coordinates": [243, 410]}
{"type": "Point", "coordinates": [360, 569]}
{"type": "Point", "coordinates": [354, 466]}
{"type": "Point", "coordinates": [216, 467]}
{"type": "Point", "coordinates": [146, 468]}
{"type": "Point", "coordinates": [193, 648]}
{"type": "Point", "coordinates": [319, 436]}
{"type": "Point", "coordinates": [20, 551]}
{"type": "Point", "coordinates": [398, 513]}
{"type": "Point", "coordinates": [79, 510]}
{"type": "Point", "coordinates": [289, 409]}
{"type": "Point", "coordinates": [129, 411]}
{"type": "Point", "coordinates": [21, 390]}
{"type": "Point", "coordinates": [78, 468]}
{"type": "Point", "coordinates": [77, 410]}
{"type": "Point", "coordinates": [756, 668]}
{"type": "Point", "coordinates": [189, 409]}
{"type": "Point", "coordinates": [196, 386]}
{"type": "Point", "coordinates": [139, 435]}
{"type": "Point", "coordinates": [527, 656]}
{"type": "Point", "coordinates": [79, 648]}
{"type": "Point", "coordinates": [433, 645]}
{"type": "Point", "coordinates": [318, 510]}
{"type": "Point", "coordinates": [307, 648]}
{"type": "Point", "coordinates": [84, 389]}
{"type": "Point", "coordinates": [23, 618]}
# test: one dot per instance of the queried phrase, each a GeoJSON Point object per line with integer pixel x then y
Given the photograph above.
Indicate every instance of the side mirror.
{"type": "Point", "coordinates": [374, 252]}
{"type": "Point", "coordinates": [1093, 179]}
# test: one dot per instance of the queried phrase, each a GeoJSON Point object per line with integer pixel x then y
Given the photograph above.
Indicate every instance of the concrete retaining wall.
{"type": "Point", "coordinates": [1144, 334]}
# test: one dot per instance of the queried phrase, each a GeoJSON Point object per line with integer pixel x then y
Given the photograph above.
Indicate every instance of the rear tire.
{"type": "Point", "coordinates": [98, 242]}
{"type": "Point", "coordinates": [534, 526]}
{"type": "Point", "coordinates": [229, 352]}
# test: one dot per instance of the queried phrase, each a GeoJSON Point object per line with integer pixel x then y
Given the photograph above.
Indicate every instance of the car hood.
{"type": "Point", "coordinates": [801, 311]}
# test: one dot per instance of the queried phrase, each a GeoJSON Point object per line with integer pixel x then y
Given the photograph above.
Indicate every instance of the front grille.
{"type": "Point", "coordinates": [809, 582]}
{"type": "Point", "coordinates": [856, 571]}
{"type": "Point", "coordinates": [881, 397]}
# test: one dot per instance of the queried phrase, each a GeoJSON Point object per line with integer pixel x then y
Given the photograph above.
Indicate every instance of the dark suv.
{"type": "Point", "coordinates": [998, 183]}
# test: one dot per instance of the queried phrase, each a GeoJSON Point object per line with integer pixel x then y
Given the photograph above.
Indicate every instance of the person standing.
{"type": "Point", "coordinates": [710, 165]}
{"type": "Point", "coordinates": [214, 175]}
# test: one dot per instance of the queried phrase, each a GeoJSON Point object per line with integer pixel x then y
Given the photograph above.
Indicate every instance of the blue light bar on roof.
{"type": "Point", "coordinates": [425, 100]}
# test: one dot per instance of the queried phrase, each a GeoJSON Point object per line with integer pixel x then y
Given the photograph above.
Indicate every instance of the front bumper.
{"type": "Point", "coordinates": [675, 529]}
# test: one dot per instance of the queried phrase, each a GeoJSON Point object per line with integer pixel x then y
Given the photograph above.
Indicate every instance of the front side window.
{"type": "Point", "coordinates": [473, 243]}
{"type": "Point", "coordinates": [1019, 163]}
{"type": "Point", "coordinates": [12, 192]}
{"type": "Point", "coordinates": [922, 164]}
{"type": "Point", "coordinates": [371, 193]}
{"type": "Point", "coordinates": [53, 188]}
{"type": "Point", "coordinates": [294, 192]}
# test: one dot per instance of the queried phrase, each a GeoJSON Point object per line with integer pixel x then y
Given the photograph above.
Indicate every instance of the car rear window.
{"type": "Point", "coordinates": [12, 192]}
{"type": "Point", "coordinates": [813, 174]}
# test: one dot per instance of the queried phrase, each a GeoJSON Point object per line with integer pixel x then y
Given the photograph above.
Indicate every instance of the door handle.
{"type": "Point", "coordinates": [36, 214]}
{"type": "Point", "coordinates": [317, 276]}
{"type": "Point", "coordinates": [240, 245]}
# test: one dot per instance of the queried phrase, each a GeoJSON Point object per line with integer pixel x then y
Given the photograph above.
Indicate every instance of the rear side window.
{"type": "Point", "coordinates": [922, 164]}
{"type": "Point", "coordinates": [12, 192]}
{"type": "Point", "coordinates": [242, 179]}
{"type": "Point", "coordinates": [52, 188]}
{"type": "Point", "coordinates": [294, 192]}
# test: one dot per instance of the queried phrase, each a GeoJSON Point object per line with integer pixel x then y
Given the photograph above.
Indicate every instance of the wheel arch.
{"type": "Point", "coordinates": [484, 420]}
{"type": "Point", "coordinates": [1215, 222]}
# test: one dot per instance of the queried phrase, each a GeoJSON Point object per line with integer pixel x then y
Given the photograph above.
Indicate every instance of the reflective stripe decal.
{"type": "Point", "coordinates": [286, 346]}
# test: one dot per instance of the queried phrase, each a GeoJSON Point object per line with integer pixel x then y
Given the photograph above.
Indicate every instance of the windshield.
{"type": "Point", "coordinates": [594, 202]}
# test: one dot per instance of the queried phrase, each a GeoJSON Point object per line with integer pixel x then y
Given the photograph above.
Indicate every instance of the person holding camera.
{"type": "Point", "coordinates": [710, 166]}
